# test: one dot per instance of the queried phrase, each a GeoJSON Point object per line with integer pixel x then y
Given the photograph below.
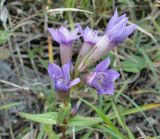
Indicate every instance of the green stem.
{"type": "Point", "coordinates": [65, 121]}
{"type": "Point", "coordinates": [51, 134]}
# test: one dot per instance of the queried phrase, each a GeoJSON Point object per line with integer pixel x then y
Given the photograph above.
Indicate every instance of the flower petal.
{"type": "Point", "coordinates": [54, 34]}
{"type": "Point", "coordinates": [61, 86]}
{"type": "Point", "coordinates": [66, 70]}
{"type": "Point", "coordinates": [112, 21]}
{"type": "Point", "coordinates": [65, 31]}
{"type": "Point", "coordinates": [128, 30]}
{"type": "Point", "coordinates": [54, 71]}
{"type": "Point", "coordinates": [102, 66]}
{"type": "Point", "coordinates": [74, 32]}
{"type": "Point", "coordinates": [108, 89]}
{"type": "Point", "coordinates": [80, 30]}
{"type": "Point", "coordinates": [62, 37]}
{"type": "Point", "coordinates": [120, 18]}
{"type": "Point", "coordinates": [74, 82]}
{"type": "Point", "coordinates": [117, 30]}
{"type": "Point", "coordinates": [87, 33]}
{"type": "Point", "coordinates": [112, 75]}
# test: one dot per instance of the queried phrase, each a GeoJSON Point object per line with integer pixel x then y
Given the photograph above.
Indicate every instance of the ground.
{"type": "Point", "coordinates": [26, 87]}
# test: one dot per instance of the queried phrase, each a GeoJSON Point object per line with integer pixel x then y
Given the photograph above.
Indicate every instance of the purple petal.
{"type": "Point", "coordinates": [54, 71]}
{"type": "Point", "coordinates": [74, 32]}
{"type": "Point", "coordinates": [61, 86]}
{"type": "Point", "coordinates": [112, 75]}
{"type": "Point", "coordinates": [62, 37]}
{"type": "Point", "coordinates": [99, 88]}
{"type": "Point", "coordinates": [88, 34]}
{"type": "Point", "coordinates": [87, 31]}
{"type": "Point", "coordinates": [108, 89]}
{"type": "Point", "coordinates": [64, 31]}
{"type": "Point", "coordinates": [54, 34]}
{"type": "Point", "coordinates": [66, 70]}
{"type": "Point", "coordinates": [112, 21]}
{"type": "Point", "coordinates": [128, 30]}
{"type": "Point", "coordinates": [117, 30]}
{"type": "Point", "coordinates": [74, 82]}
{"type": "Point", "coordinates": [120, 18]}
{"type": "Point", "coordinates": [102, 66]}
{"type": "Point", "coordinates": [80, 30]}
{"type": "Point", "coordinates": [93, 81]}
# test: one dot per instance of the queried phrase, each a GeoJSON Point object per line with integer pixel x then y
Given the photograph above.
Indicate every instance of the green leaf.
{"type": "Point", "coordinates": [31, 54]}
{"type": "Point", "coordinates": [135, 110]}
{"type": "Point", "coordinates": [44, 63]}
{"type": "Point", "coordinates": [9, 105]}
{"type": "Point", "coordinates": [84, 121]}
{"type": "Point", "coordinates": [51, 118]}
{"type": "Point", "coordinates": [63, 113]}
{"type": "Point", "coordinates": [106, 119]}
{"type": "Point", "coordinates": [156, 56]}
{"type": "Point", "coordinates": [45, 118]}
{"type": "Point", "coordinates": [108, 131]}
{"type": "Point", "coordinates": [120, 119]}
{"type": "Point", "coordinates": [87, 134]}
{"type": "Point", "coordinates": [4, 35]}
{"type": "Point", "coordinates": [4, 53]}
{"type": "Point", "coordinates": [134, 65]}
{"type": "Point", "coordinates": [51, 134]}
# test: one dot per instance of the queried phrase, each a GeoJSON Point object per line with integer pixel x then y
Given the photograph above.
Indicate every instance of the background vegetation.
{"type": "Point", "coordinates": [25, 85]}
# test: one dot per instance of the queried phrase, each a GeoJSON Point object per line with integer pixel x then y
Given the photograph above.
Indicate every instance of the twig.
{"type": "Point", "coordinates": [61, 10]}
{"type": "Point", "coordinates": [15, 85]}
{"type": "Point", "coordinates": [145, 32]}
{"type": "Point", "coordinates": [8, 118]}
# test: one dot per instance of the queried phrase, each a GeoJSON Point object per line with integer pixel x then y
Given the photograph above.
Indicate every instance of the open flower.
{"type": "Point", "coordinates": [66, 39]}
{"type": "Point", "coordinates": [90, 38]}
{"type": "Point", "coordinates": [116, 32]}
{"type": "Point", "coordinates": [117, 29]}
{"type": "Point", "coordinates": [102, 78]}
{"type": "Point", "coordinates": [61, 78]}
{"type": "Point", "coordinates": [63, 35]}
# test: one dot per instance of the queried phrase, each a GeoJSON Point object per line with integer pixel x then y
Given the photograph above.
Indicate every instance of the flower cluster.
{"type": "Point", "coordinates": [92, 50]}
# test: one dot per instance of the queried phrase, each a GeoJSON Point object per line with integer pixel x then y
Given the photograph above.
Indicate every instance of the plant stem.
{"type": "Point", "coordinates": [63, 128]}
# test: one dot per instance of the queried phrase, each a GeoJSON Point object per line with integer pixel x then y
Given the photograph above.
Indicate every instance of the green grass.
{"type": "Point", "coordinates": [135, 59]}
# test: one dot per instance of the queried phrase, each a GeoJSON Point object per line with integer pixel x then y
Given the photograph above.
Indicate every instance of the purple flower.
{"type": "Point", "coordinates": [89, 36]}
{"type": "Point", "coordinates": [61, 77]}
{"type": "Point", "coordinates": [66, 39]}
{"type": "Point", "coordinates": [117, 29]}
{"type": "Point", "coordinates": [63, 35]}
{"type": "Point", "coordinates": [102, 78]}
{"type": "Point", "coordinates": [116, 32]}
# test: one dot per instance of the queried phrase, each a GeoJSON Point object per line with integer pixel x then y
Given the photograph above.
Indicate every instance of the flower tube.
{"type": "Point", "coordinates": [90, 38]}
{"type": "Point", "coordinates": [65, 38]}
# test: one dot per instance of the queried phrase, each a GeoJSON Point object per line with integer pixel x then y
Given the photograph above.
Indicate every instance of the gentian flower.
{"type": "Point", "coordinates": [61, 78]}
{"type": "Point", "coordinates": [116, 32]}
{"type": "Point", "coordinates": [102, 78]}
{"type": "Point", "coordinates": [65, 38]}
{"type": "Point", "coordinates": [90, 38]}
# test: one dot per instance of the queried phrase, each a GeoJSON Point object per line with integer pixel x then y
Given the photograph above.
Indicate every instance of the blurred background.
{"type": "Point", "coordinates": [26, 87]}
